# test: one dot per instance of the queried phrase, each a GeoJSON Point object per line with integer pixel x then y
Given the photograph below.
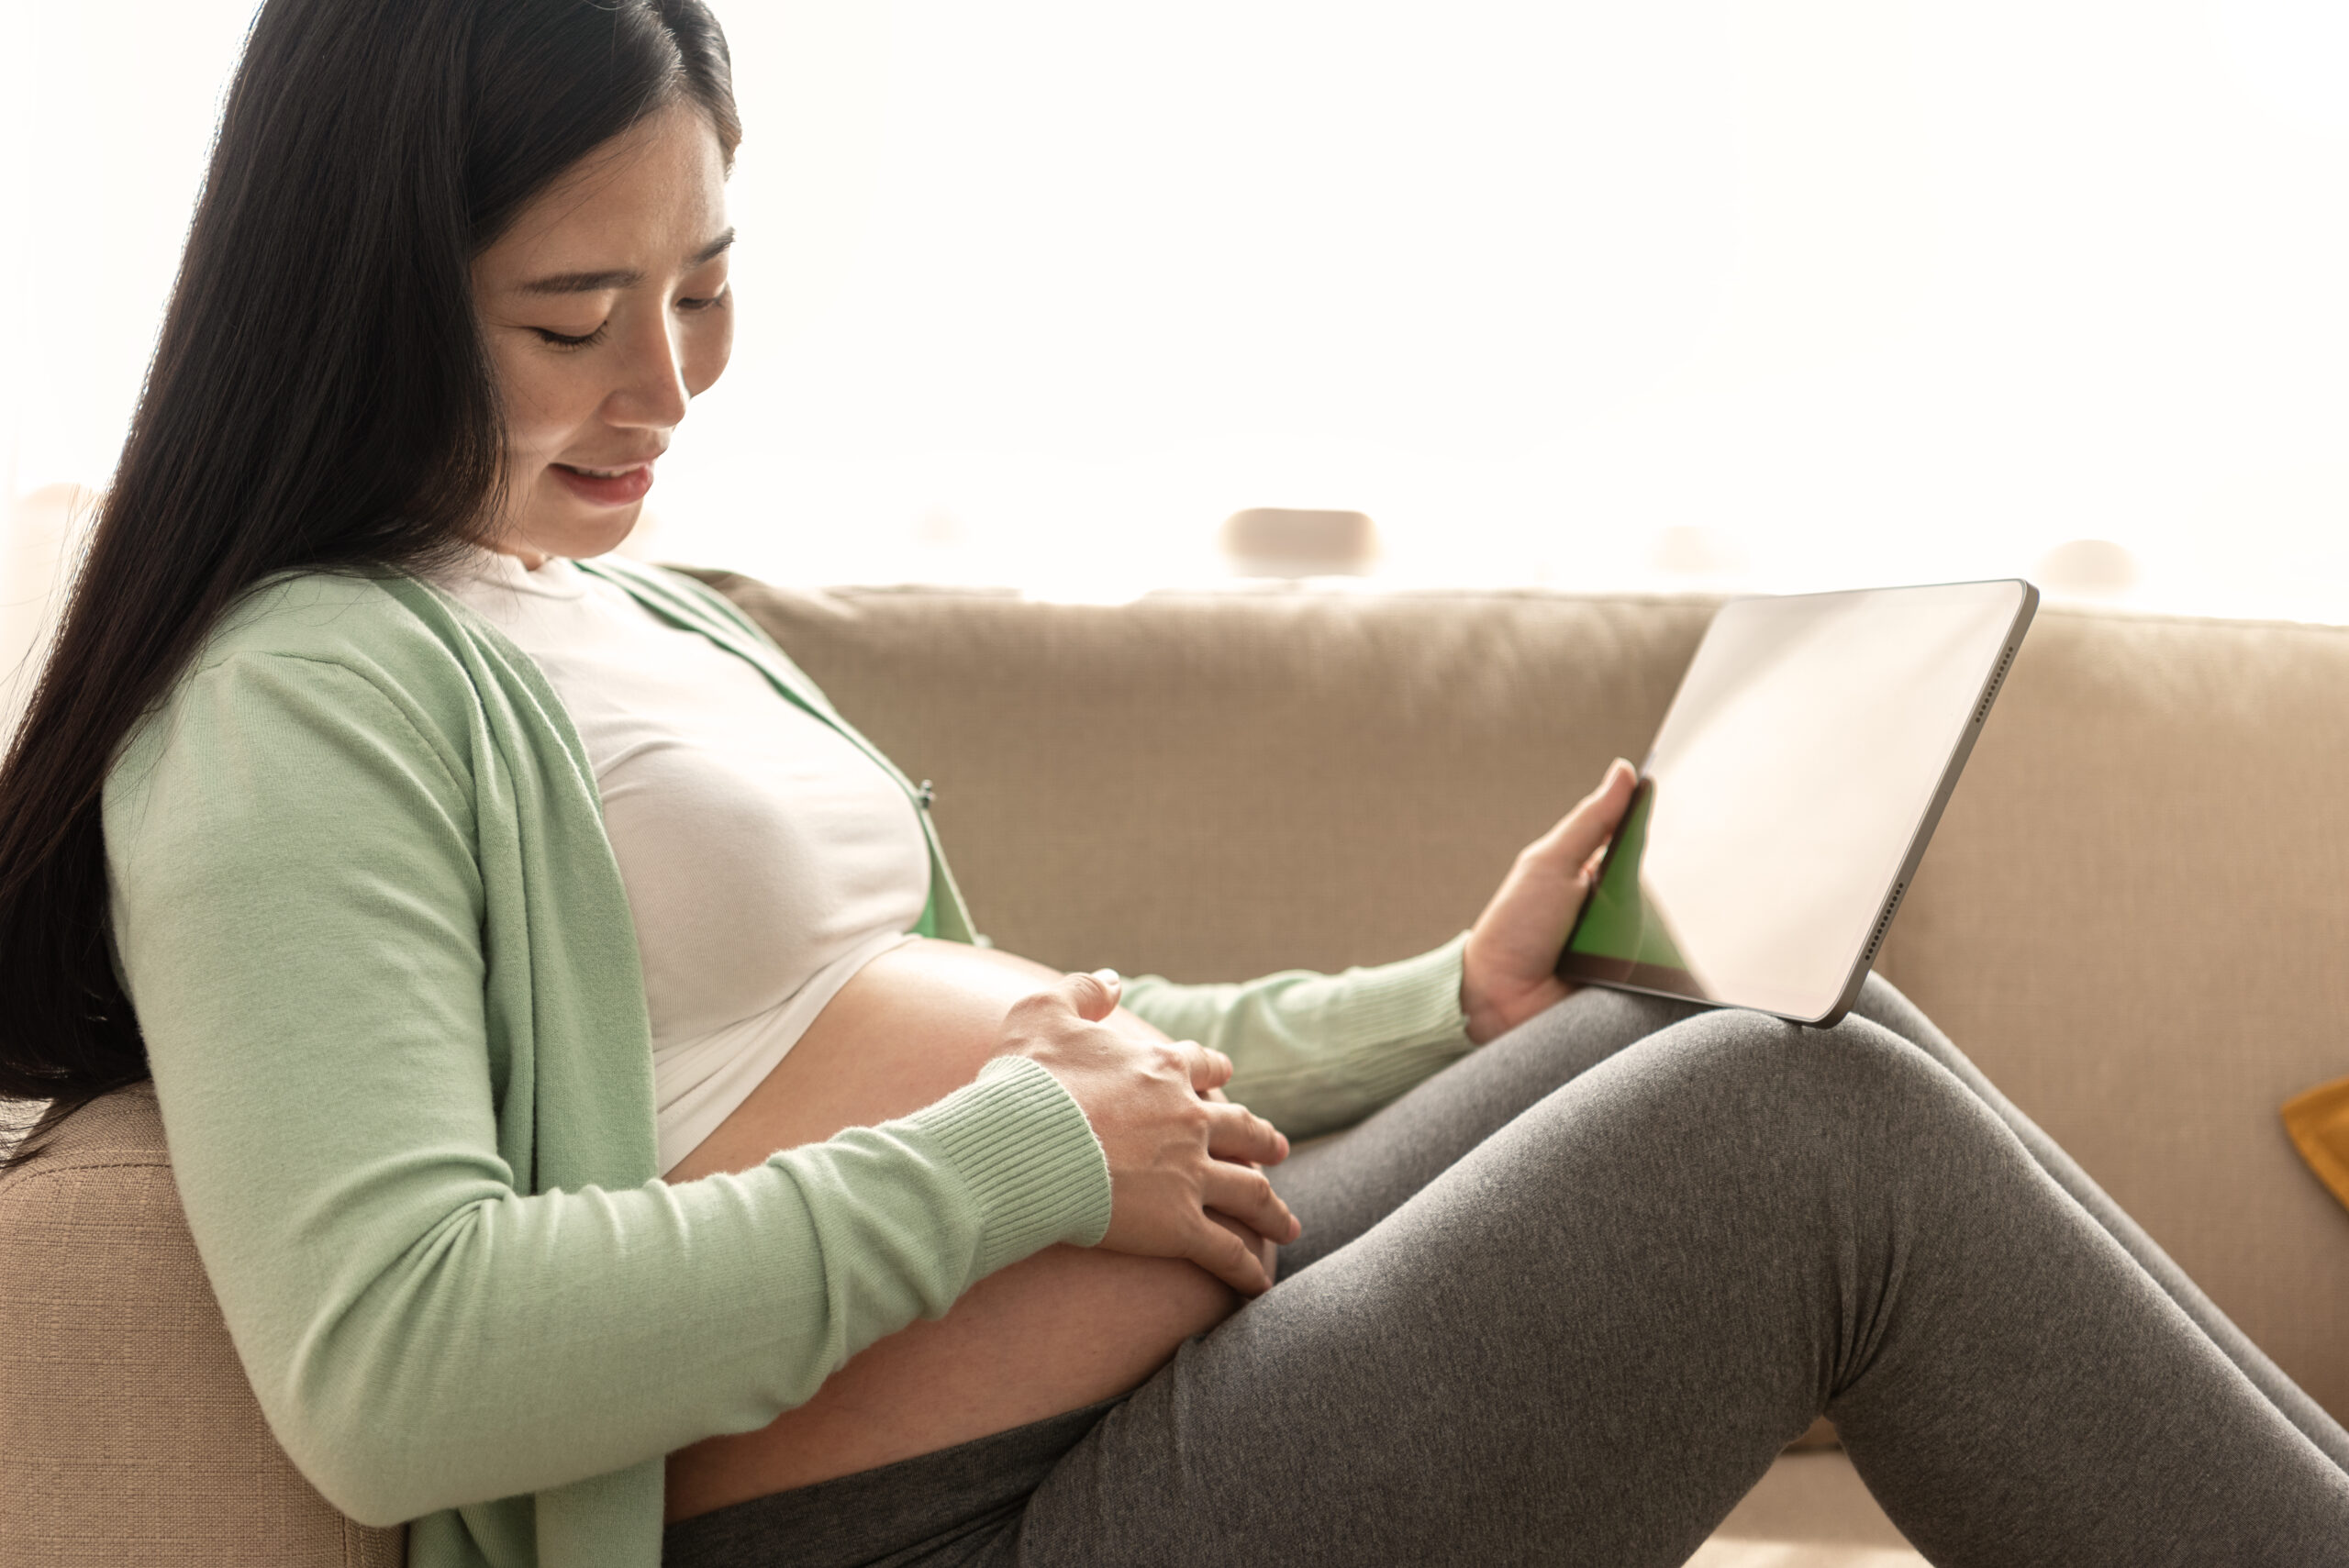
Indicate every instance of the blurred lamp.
{"type": "Point", "coordinates": [2088, 567]}
{"type": "Point", "coordinates": [1281, 541]}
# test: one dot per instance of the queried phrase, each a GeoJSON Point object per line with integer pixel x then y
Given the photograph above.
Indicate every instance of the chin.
{"type": "Point", "coordinates": [581, 533]}
{"type": "Point", "coordinates": [610, 532]}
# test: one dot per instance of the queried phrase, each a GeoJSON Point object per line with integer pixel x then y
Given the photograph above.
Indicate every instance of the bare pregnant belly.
{"type": "Point", "coordinates": [1058, 1330]}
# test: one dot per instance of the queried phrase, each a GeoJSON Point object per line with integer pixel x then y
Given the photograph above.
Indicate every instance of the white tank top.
{"type": "Point", "coordinates": [767, 859]}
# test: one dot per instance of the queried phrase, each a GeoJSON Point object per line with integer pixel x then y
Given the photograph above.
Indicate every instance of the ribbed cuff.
{"type": "Point", "coordinates": [1407, 1016]}
{"type": "Point", "coordinates": [1036, 1172]}
{"type": "Point", "coordinates": [1413, 999]}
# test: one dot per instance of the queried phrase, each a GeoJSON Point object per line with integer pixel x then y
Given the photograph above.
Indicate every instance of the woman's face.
{"type": "Point", "coordinates": [605, 310]}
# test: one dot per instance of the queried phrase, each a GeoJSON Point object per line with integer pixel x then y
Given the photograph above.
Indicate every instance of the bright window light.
{"type": "Point", "coordinates": [1752, 296]}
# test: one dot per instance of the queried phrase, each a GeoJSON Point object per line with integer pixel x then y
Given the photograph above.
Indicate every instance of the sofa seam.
{"type": "Point", "coordinates": [26, 1178]}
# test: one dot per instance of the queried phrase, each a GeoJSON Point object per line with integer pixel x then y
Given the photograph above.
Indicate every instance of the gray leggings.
{"type": "Point", "coordinates": [1567, 1301]}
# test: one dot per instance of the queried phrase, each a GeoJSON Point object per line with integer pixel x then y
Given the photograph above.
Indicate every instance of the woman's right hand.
{"type": "Point", "coordinates": [1174, 1154]}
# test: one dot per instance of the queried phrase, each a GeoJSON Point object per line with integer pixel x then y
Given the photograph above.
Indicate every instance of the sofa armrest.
{"type": "Point", "coordinates": [127, 1430]}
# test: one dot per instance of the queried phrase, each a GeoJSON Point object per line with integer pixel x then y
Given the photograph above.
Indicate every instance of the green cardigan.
{"type": "Point", "coordinates": [364, 907]}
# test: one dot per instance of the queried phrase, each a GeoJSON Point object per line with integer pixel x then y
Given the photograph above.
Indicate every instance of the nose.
{"type": "Point", "coordinates": [651, 393]}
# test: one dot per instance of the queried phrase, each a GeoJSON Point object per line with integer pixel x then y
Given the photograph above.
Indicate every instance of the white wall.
{"type": "Point", "coordinates": [1772, 293]}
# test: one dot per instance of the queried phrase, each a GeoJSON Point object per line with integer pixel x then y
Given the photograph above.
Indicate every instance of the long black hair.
{"type": "Point", "coordinates": [320, 398]}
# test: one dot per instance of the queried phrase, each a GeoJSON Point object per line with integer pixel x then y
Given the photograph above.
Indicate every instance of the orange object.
{"type": "Point", "coordinates": [2318, 1120]}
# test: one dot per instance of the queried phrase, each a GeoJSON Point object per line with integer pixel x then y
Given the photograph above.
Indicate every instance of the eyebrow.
{"type": "Point", "coordinates": [596, 283]}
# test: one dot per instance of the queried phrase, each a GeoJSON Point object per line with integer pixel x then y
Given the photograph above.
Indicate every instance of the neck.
{"type": "Point", "coordinates": [531, 559]}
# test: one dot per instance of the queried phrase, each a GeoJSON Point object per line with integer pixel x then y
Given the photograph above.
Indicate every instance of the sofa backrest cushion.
{"type": "Point", "coordinates": [1206, 786]}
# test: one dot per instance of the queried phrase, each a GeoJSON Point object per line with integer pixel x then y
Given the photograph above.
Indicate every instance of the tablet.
{"type": "Point", "coordinates": [1790, 793]}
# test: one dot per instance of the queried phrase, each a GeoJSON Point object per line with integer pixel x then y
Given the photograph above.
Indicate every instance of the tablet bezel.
{"type": "Point", "coordinates": [1628, 975]}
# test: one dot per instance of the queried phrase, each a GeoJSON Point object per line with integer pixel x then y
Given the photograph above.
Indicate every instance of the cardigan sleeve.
{"type": "Point", "coordinates": [297, 912]}
{"type": "Point", "coordinates": [1314, 1052]}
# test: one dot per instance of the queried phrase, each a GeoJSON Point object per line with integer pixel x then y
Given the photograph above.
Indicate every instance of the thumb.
{"type": "Point", "coordinates": [1094, 995]}
{"type": "Point", "coordinates": [1583, 833]}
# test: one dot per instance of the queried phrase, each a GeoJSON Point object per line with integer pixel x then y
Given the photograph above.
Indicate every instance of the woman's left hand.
{"type": "Point", "coordinates": [1511, 969]}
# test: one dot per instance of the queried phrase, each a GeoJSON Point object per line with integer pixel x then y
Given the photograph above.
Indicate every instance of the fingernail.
{"type": "Point", "coordinates": [1107, 976]}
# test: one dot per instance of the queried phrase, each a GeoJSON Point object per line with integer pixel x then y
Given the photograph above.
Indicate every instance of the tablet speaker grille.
{"type": "Point", "coordinates": [1996, 680]}
{"type": "Point", "coordinates": [1884, 921]}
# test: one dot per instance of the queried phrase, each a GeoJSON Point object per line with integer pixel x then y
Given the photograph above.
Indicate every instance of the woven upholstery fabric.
{"type": "Point", "coordinates": [128, 1431]}
{"type": "Point", "coordinates": [2135, 915]}
{"type": "Point", "coordinates": [1217, 785]}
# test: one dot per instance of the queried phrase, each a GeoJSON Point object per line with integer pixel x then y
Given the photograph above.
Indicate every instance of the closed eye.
{"type": "Point", "coordinates": [566, 341]}
{"type": "Point", "coordinates": [559, 339]}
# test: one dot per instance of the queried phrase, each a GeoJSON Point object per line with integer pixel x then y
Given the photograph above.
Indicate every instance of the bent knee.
{"type": "Point", "coordinates": [1824, 1083]}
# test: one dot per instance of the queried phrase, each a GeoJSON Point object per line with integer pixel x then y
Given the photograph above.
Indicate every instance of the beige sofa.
{"type": "Point", "coordinates": [2135, 917]}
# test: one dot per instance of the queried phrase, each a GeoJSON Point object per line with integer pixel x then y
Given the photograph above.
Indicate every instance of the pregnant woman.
{"type": "Point", "coordinates": [609, 1146]}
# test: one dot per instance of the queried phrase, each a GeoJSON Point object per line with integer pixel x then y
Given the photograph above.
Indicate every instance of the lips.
{"type": "Point", "coordinates": [604, 487]}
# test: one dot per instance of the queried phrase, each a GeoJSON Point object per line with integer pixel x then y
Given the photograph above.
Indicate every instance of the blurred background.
{"type": "Point", "coordinates": [1087, 300]}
